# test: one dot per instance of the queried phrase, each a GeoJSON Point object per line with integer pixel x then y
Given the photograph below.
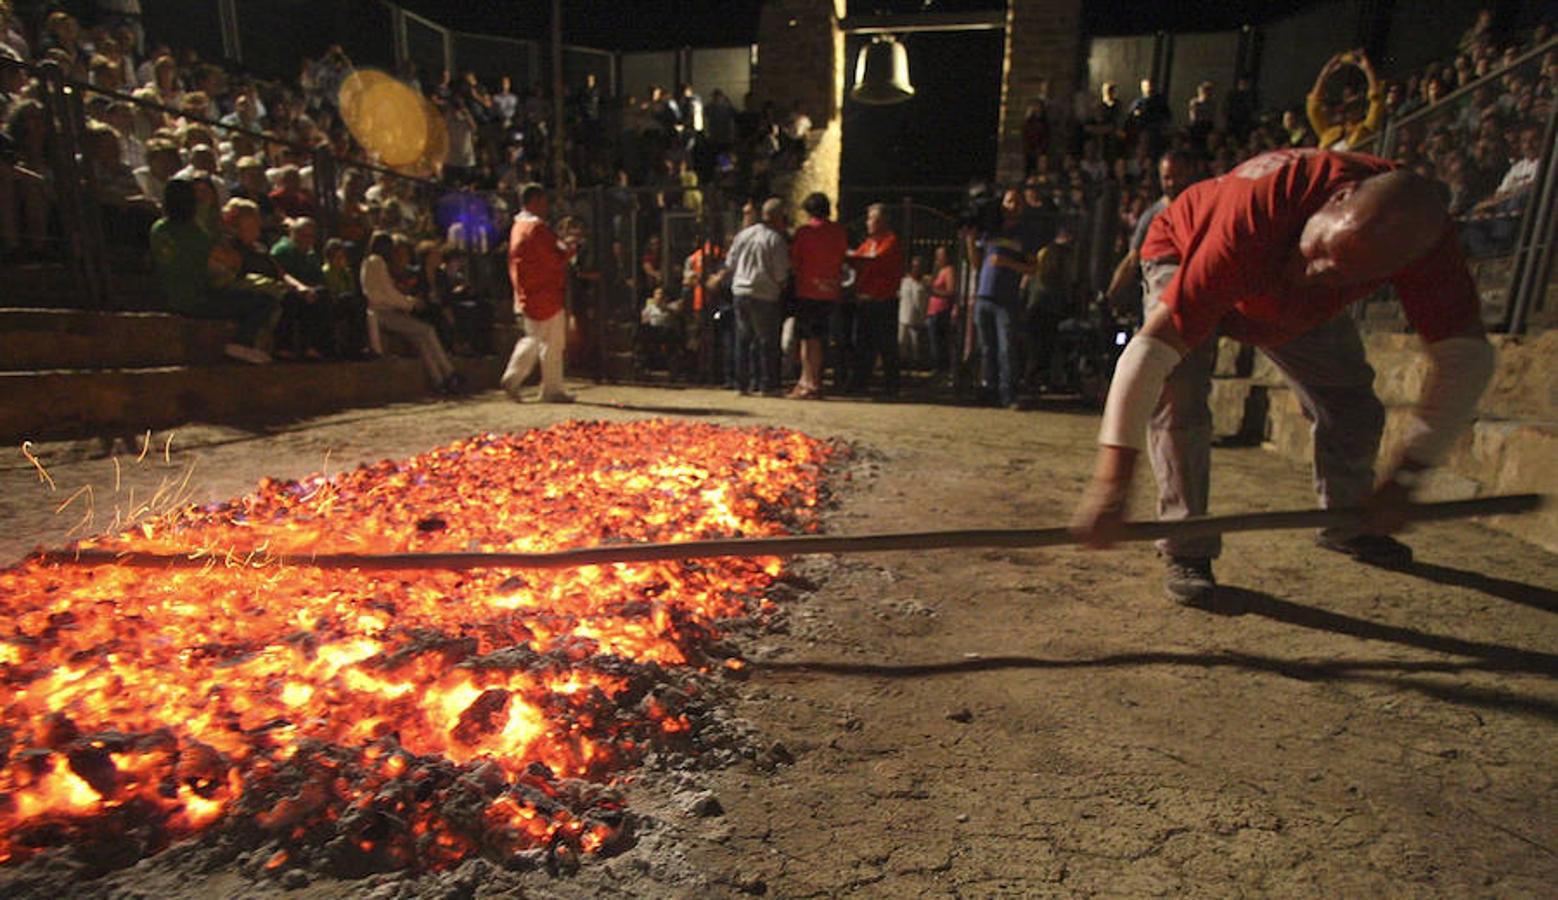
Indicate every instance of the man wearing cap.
{"type": "Point", "coordinates": [1271, 254]}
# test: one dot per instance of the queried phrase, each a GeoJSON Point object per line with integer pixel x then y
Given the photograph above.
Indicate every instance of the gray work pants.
{"type": "Point", "coordinates": [1334, 383]}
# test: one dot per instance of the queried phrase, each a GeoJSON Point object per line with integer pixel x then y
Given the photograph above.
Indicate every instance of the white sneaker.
{"type": "Point", "coordinates": [247, 354]}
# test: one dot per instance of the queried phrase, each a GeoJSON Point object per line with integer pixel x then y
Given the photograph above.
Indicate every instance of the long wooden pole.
{"type": "Point", "coordinates": [803, 544]}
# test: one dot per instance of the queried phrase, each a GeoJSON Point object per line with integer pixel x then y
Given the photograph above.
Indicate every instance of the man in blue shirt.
{"type": "Point", "coordinates": [1005, 258]}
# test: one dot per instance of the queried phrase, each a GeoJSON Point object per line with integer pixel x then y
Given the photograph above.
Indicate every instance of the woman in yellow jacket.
{"type": "Point", "coordinates": [1356, 124]}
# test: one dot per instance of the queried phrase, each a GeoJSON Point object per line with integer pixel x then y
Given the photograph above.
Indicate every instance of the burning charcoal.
{"type": "Point", "coordinates": [486, 714]}
{"type": "Point", "coordinates": [562, 859]}
{"type": "Point", "coordinates": [59, 731]}
{"type": "Point", "coordinates": [431, 523]}
{"type": "Point", "coordinates": [201, 766]}
{"type": "Point", "coordinates": [489, 777]}
{"type": "Point", "coordinates": [289, 811]}
{"type": "Point", "coordinates": [95, 766]}
{"type": "Point", "coordinates": [521, 659]}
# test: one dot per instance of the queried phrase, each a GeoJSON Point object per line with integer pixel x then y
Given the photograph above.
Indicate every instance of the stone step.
{"type": "Point", "coordinates": [1524, 384]}
{"type": "Point", "coordinates": [51, 285]}
{"type": "Point", "coordinates": [1495, 456]}
{"type": "Point", "coordinates": [34, 339]}
{"type": "Point", "coordinates": [65, 403]}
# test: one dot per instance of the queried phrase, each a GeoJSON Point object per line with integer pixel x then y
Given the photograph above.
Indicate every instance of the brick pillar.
{"type": "Point", "coordinates": [800, 57]}
{"type": "Point", "coordinates": [1043, 43]}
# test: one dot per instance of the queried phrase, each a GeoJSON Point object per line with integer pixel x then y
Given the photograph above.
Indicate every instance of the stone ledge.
{"type": "Point", "coordinates": [88, 339]}
{"type": "Point", "coordinates": [1497, 456]}
{"type": "Point", "coordinates": [78, 403]}
{"type": "Point", "coordinates": [1524, 385]}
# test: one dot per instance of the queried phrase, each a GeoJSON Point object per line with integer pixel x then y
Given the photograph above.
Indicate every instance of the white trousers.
{"type": "Point", "coordinates": [422, 337]}
{"type": "Point", "coordinates": [542, 342]}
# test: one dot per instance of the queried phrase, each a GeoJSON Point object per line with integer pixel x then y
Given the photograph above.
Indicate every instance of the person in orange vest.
{"type": "Point", "coordinates": [538, 267]}
{"type": "Point", "coordinates": [711, 310]}
{"type": "Point", "coordinates": [879, 263]}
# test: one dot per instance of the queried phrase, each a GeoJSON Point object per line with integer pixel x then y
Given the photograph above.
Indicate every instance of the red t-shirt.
{"type": "Point", "coordinates": [538, 266]}
{"type": "Point", "coordinates": [1233, 236]}
{"type": "Point", "coordinates": [817, 257]}
{"type": "Point", "coordinates": [879, 260]}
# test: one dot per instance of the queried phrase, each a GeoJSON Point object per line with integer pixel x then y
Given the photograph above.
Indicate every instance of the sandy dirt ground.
{"type": "Point", "coordinates": [1016, 723]}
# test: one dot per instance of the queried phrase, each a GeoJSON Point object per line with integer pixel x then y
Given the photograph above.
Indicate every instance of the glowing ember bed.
{"type": "Point", "coordinates": [376, 720]}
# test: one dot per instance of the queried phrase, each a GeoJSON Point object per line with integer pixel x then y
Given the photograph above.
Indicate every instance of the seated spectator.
{"type": "Point", "coordinates": [472, 312]}
{"type": "Point", "coordinates": [431, 283]}
{"type": "Point", "coordinates": [13, 34]}
{"type": "Point", "coordinates": [651, 266]}
{"type": "Point", "coordinates": [1492, 224]}
{"type": "Point", "coordinates": [202, 164]}
{"type": "Point", "coordinates": [352, 223]}
{"type": "Point", "coordinates": [1296, 131]}
{"type": "Point", "coordinates": [390, 311]}
{"type": "Point", "coordinates": [290, 197]}
{"type": "Point", "coordinates": [253, 186]}
{"type": "Point", "coordinates": [189, 270]}
{"type": "Point", "coordinates": [25, 178]}
{"type": "Point", "coordinates": [127, 213]}
{"type": "Point", "coordinates": [351, 309]}
{"type": "Point", "coordinates": [313, 324]}
{"type": "Point", "coordinates": [256, 272]}
{"type": "Point", "coordinates": [661, 332]}
{"type": "Point", "coordinates": [162, 164]}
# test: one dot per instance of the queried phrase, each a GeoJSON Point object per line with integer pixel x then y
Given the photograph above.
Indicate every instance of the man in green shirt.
{"type": "Point", "coordinates": [182, 253]}
{"type": "Point", "coordinates": [308, 318]}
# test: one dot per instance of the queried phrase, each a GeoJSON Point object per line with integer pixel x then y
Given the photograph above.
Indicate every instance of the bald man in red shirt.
{"type": "Point", "coordinates": [1272, 254]}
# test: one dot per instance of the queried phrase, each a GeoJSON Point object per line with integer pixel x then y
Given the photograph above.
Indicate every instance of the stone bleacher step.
{"type": "Point", "coordinates": [1509, 449]}
{"type": "Point", "coordinates": [51, 285]}
{"type": "Point", "coordinates": [33, 339]}
{"type": "Point", "coordinates": [70, 403]}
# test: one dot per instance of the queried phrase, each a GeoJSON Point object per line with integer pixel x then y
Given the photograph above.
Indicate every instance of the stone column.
{"type": "Point", "coordinates": [800, 57]}
{"type": "Point", "coordinates": [1043, 44]}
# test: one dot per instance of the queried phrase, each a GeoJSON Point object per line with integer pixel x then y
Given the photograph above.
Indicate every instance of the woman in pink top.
{"type": "Point", "coordinates": [938, 315]}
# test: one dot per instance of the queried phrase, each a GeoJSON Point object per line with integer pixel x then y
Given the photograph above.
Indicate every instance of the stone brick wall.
{"type": "Point", "coordinates": [1043, 43]}
{"type": "Point", "coordinates": [1510, 448]}
{"type": "Point", "coordinates": [800, 57]}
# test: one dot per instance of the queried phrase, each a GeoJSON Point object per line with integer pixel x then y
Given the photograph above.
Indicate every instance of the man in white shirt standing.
{"type": "Point", "coordinates": [758, 265]}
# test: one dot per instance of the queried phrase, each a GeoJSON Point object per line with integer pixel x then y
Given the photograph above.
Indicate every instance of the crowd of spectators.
{"type": "Point", "coordinates": [157, 118]}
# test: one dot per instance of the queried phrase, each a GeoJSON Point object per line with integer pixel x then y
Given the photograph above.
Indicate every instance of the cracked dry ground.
{"type": "Point", "coordinates": [1029, 723]}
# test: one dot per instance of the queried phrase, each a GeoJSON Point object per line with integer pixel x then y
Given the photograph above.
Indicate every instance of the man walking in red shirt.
{"type": "Point", "coordinates": [878, 264]}
{"type": "Point", "coordinates": [538, 267]}
{"type": "Point", "coordinates": [1271, 254]}
{"type": "Point", "coordinates": [817, 258]}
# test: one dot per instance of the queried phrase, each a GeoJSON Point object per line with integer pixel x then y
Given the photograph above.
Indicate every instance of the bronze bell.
{"type": "Point", "coordinates": [882, 73]}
